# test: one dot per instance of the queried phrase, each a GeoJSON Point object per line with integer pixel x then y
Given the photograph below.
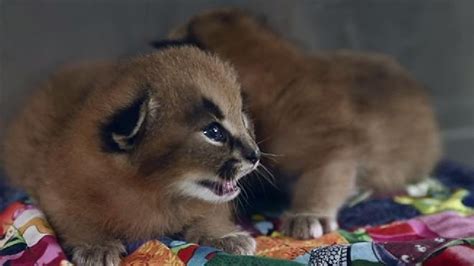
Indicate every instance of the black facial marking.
{"type": "Point", "coordinates": [237, 144]}
{"type": "Point", "coordinates": [163, 44]}
{"type": "Point", "coordinates": [212, 108]}
{"type": "Point", "coordinates": [121, 123]}
{"type": "Point", "coordinates": [201, 113]}
{"type": "Point", "coordinates": [247, 151]}
{"type": "Point", "coordinates": [228, 169]}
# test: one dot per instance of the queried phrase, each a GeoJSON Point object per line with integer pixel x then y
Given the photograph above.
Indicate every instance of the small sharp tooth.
{"type": "Point", "coordinates": [220, 190]}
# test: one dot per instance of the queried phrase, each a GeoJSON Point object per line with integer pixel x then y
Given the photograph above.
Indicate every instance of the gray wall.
{"type": "Point", "coordinates": [434, 39]}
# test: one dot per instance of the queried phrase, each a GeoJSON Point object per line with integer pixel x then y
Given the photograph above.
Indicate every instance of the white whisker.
{"type": "Point", "coordinates": [268, 176]}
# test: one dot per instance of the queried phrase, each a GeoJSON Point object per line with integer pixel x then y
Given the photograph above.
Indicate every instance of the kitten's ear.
{"type": "Point", "coordinates": [121, 132]}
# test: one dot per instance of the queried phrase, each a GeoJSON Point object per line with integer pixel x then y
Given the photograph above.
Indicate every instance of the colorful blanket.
{"type": "Point", "coordinates": [433, 224]}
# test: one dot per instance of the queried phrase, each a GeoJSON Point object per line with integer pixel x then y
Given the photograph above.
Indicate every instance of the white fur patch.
{"type": "Point", "coordinates": [236, 233]}
{"type": "Point", "coordinates": [246, 168]}
{"type": "Point", "coordinates": [217, 143]}
{"type": "Point", "coordinates": [153, 107]}
{"type": "Point", "coordinates": [192, 189]}
{"type": "Point", "coordinates": [316, 230]}
{"type": "Point", "coordinates": [245, 120]}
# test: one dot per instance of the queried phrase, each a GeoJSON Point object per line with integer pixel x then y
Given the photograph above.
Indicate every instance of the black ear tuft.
{"type": "Point", "coordinates": [189, 40]}
{"type": "Point", "coordinates": [120, 132]}
{"type": "Point", "coordinates": [171, 43]}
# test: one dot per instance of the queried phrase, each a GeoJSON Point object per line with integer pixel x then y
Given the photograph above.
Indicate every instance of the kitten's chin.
{"type": "Point", "coordinates": [210, 190]}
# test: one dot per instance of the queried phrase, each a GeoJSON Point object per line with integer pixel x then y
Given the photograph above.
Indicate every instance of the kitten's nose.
{"type": "Point", "coordinates": [253, 156]}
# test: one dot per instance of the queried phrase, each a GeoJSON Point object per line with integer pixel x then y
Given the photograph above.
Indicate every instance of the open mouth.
{"type": "Point", "coordinates": [221, 188]}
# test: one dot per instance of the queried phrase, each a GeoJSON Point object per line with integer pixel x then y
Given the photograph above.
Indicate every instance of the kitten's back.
{"type": "Point", "coordinates": [46, 115]}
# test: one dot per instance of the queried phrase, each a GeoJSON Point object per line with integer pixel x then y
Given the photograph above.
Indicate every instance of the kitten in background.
{"type": "Point", "coordinates": [336, 120]}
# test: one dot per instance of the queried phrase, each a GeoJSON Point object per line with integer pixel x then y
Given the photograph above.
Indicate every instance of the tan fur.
{"type": "Point", "coordinates": [95, 198]}
{"type": "Point", "coordinates": [331, 116]}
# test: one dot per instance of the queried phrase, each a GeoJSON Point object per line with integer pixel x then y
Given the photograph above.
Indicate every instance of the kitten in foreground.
{"type": "Point", "coordinates": [336, 120]}
{"type": "Point", "coordinates": [136, 149]}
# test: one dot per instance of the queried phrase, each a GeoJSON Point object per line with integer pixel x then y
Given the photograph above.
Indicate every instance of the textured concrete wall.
{"type": "Point", "coordinates": [432, 38]}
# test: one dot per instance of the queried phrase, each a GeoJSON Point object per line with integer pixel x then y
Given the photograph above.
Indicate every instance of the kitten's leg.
{"type": "Point", "coordinates": [317, 196]}
{"type": "Point", "coordinates": [98, 253]}
{"type": "Point", "coordinates": [87, 244]}
{"type": "Point", "coordinates": [216, 229]}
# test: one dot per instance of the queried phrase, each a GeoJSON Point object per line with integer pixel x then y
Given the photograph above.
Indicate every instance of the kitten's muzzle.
{"type": "Point", "coordinates": [253, 156]}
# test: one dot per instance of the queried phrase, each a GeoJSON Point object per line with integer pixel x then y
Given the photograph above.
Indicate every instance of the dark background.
{"type": "Point", "coordinates": [432, 38]}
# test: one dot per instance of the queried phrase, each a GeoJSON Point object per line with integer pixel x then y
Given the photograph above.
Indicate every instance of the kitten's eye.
{"type": "Point", "coordinates": [215, 132]}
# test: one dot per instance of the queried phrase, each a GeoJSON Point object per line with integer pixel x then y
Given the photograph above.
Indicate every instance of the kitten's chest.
{"type": "Point", "coordinates": [177, 216]}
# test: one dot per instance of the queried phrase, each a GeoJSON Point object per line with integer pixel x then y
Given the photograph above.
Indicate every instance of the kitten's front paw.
{"type": "Point", "coordinates": [108, 254]}
{"type": "Point", "coordinates": [239, 243]}
{"type": "Point", "coordinates": [306, 225]}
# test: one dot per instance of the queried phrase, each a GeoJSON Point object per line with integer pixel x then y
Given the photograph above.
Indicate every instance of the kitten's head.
{"type": "Point", "coordinates": [175, 120]}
